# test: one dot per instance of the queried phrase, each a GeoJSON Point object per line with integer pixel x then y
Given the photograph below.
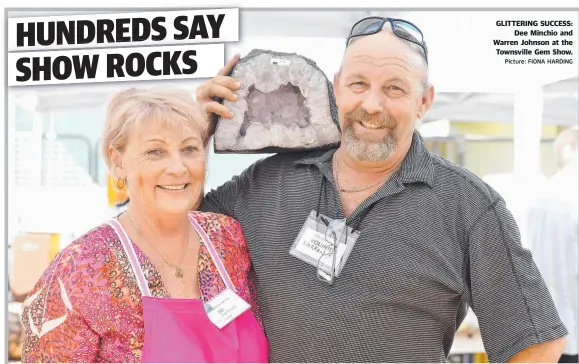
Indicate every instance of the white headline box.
{"type": "Point", "coordinates": [217, 25]}
{"type": "Point", "coordinates": [135, 63]}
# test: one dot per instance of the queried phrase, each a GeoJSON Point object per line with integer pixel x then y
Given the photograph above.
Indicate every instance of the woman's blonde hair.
{"type": "Point", "coordinates": [133, 108]}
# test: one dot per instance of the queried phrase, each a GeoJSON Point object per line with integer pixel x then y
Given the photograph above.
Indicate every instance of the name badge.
{"type": "Point", "coordinates": [318, 248]}
{"type": "Point", "coordinates": [317, 240]}
{"type": "Point", "coordinates": [225, 307]}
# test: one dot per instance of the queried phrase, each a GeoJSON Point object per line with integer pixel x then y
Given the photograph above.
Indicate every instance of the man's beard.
{"type": "Point", "coordinates": [365, 150]}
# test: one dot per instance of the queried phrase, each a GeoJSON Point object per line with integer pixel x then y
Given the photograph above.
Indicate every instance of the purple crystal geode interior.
{"type": "Point", "coordinates": [286, 103]}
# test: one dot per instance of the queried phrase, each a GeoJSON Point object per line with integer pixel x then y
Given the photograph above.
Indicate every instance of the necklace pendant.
{"type": "Point", "coordinates": [178, 272]}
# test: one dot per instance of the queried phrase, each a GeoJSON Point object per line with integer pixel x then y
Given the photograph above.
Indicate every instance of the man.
{"type": "Point", "coordinates": [433, 238]}
{"type": "Point", "coordinates": [553, 237]}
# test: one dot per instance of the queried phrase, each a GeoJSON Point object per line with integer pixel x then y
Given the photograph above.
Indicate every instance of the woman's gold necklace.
{"type": "Point", "coordinates": [178, 270]}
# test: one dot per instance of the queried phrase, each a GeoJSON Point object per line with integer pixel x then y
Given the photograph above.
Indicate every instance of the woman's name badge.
{"type": "Point", "coordinates": [225, 307]}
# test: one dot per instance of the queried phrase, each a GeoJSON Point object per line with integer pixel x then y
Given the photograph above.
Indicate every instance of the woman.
{"type": "Point", "coordinates": [142, 286]}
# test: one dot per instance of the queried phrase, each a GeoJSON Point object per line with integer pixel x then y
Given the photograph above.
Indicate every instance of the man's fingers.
{"type": "Point", "coordinates": [219, 109]}
{"type": "Point", "coordinates": [229, 66]}
{"type": "Point", "coordinates": [216, 90]}
{"type": "Point", "coordinates": [226, 81]}
{"type": "Point", "coordinates": [219, 86]}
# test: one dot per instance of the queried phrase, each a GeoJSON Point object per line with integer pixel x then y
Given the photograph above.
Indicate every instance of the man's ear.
{"type": "Point", "coordinates": [426, 101]}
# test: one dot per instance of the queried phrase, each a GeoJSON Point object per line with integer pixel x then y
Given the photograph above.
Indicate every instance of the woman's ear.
{"type": "Point", "coordinates": [116, 158]}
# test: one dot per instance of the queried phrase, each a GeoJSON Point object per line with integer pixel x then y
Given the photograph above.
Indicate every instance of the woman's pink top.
{"type": "Point", "coordinates": [87, 305]}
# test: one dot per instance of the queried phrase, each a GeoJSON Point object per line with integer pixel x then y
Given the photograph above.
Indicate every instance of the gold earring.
{"type": "Point", "coordinates": [121, 183]}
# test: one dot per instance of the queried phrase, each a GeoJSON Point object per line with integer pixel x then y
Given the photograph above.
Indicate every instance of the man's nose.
{"type": "Point", "coordinates": [374, 103]}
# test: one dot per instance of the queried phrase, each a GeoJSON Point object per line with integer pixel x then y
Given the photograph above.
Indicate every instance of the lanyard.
{"type": "Point", "coordinates": [362, 216]}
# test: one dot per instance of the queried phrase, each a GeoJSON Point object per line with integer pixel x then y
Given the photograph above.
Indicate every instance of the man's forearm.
{"type": "Point", "coordinates": [548, 352]}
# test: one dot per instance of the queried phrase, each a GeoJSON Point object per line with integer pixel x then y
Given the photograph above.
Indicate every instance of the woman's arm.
{"type": "Point", "coordinates": [54, 327]}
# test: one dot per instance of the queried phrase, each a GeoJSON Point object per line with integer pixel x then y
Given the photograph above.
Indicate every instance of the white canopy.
{"type": "Point", "coordinates": [561, 105]}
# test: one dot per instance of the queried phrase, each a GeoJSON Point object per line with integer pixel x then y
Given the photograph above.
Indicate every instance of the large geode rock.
{"type": "Point", "coordinates": [286, 103]}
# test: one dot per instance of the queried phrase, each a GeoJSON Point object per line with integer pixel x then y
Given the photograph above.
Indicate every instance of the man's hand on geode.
{"type": "Point", "coordinates": [211, 93]}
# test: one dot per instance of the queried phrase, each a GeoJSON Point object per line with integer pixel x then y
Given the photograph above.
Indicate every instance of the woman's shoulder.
{"type": "Point", "coordinates": [214, 222]}
{"type": "Point", "coordinates": [99, 239]}
{"type": "Point", "coordinates": [222, 229]}
{"type": "Point", "coordinates": [90, 249]}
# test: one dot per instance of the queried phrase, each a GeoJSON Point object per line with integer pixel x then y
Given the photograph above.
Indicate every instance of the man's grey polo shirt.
{"type": "Point", "coordinates": [435, 240]}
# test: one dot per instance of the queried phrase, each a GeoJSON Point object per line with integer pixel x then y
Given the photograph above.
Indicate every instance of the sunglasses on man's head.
{"type": "Point", "coordinates": [401, 28]}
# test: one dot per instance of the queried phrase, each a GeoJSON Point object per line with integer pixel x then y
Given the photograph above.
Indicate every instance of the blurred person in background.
{"type": "Point", "coordinates": [149, 285]}
{"type": "Point", "coordinates": [553, 235]}
{"type": "Point", "coordinates": [430, 237]}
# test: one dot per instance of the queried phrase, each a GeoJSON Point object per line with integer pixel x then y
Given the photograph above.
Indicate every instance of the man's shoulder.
{"type": "Point", "coordinates": [450, 176]}
{"type": "Point", "coordinates": [284, 160]}
{"type": "Point", "coordinates": [294, 157]}
{"type": "Point", "coordinates": [264, 174]}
